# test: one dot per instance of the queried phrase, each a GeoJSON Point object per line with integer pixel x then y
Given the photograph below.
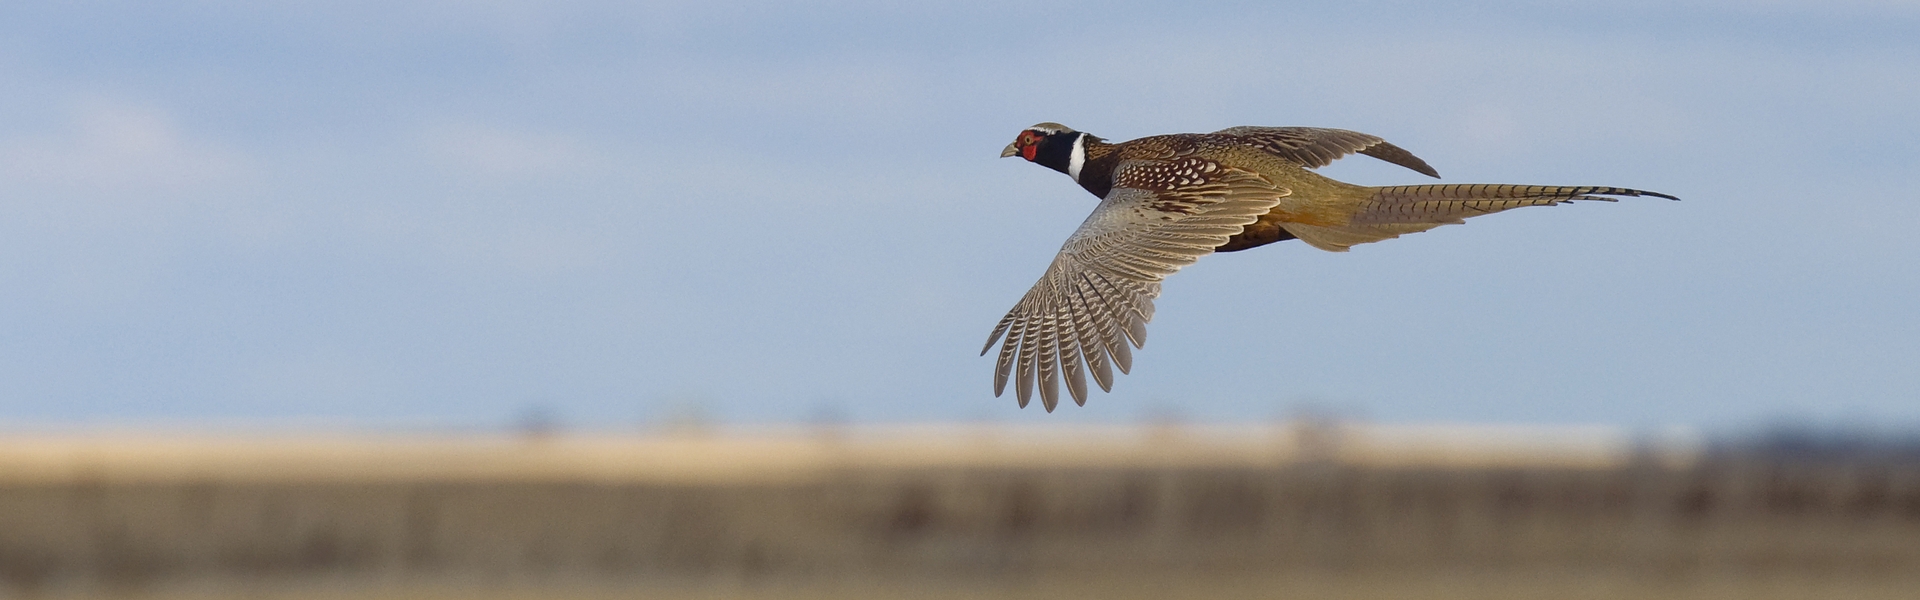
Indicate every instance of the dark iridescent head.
{"type": "Point", "coordinates": [1052, 145]}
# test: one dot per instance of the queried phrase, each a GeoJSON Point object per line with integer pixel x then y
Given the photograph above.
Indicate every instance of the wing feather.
{"type": "Point", "coordinates": [1112, 310]}
{"type": "Point", "coordinates": [1070, 359]}
{"type": "Point", "coordinates": [1317, 147]}
{"type": "Point", "coordinates": [1092, 344]}
{"type": "Point", "coordinates": [1014, 325]}
{"type": "Point", "coordinates": [1048, 351]}
{"type": "Point", "coordinates": [1025, 364]}
{"type": "Point", "coordinates": [1097, 297]}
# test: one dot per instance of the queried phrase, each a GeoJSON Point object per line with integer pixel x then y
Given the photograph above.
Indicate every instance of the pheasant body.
{"type": "Point", "coordinates": [1168, 200]}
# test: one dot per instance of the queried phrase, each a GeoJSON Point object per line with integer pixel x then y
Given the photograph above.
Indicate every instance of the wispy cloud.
{"type": "Point", "coordinates": [117, 147]}
{"type": "Point", "coordinates": [495, 152]}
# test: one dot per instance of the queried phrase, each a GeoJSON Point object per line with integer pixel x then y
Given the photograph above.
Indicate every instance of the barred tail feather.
{"type": "Point", "coordinates": [1390, 212]}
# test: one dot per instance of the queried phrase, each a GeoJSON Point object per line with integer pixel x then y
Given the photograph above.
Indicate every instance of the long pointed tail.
{"type": "Point", "coordinates": [1389, 212]}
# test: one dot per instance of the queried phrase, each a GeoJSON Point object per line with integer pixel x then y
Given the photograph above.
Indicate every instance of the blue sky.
{"type": "Point", "coordinates": [447, 213]}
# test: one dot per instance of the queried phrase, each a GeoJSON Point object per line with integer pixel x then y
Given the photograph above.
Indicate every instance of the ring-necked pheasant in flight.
{"type": "Point", "coordinates": [1168, 200]}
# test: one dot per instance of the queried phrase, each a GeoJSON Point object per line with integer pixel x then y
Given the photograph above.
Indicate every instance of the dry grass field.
{"type": "Point", "coordinates": [947, 512]}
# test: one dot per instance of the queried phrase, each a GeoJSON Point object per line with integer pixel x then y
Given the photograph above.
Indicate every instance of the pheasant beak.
{"type": "Point", "coordinates": [1013, 149]}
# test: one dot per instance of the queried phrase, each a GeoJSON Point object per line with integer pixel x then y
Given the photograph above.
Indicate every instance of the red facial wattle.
{"type": "Point", "coordinates": [1029, 145]}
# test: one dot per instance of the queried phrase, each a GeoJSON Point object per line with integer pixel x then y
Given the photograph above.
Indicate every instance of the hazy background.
{"type": "Point", "coordinates": [605, 214]}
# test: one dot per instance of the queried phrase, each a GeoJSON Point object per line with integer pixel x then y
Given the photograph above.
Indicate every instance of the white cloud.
{"type": "Point", "coordinates": [116, 147]}
{"type": "Point", "coordinates": [485, 151]}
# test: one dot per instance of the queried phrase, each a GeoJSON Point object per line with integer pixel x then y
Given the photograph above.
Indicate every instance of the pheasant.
{"type": "Point", "coordinates": [1168, 200]}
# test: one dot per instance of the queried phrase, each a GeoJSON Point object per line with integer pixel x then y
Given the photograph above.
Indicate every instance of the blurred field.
{"type": "Point", "coordinates": [1320, 511]}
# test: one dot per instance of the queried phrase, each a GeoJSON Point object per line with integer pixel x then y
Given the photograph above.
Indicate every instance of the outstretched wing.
{"type": "Point", "coordinates": [1317, 147]}
{"type": "Point", "coordinates": [1097, 296]}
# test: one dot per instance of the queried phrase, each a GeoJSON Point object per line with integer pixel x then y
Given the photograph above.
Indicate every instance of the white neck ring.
{"type": "Point", "coordinates": [1078, 158]}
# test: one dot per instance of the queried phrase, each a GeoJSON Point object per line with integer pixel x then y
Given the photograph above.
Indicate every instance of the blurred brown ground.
{"type": "Point", "coordinates": [1289, 510]}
